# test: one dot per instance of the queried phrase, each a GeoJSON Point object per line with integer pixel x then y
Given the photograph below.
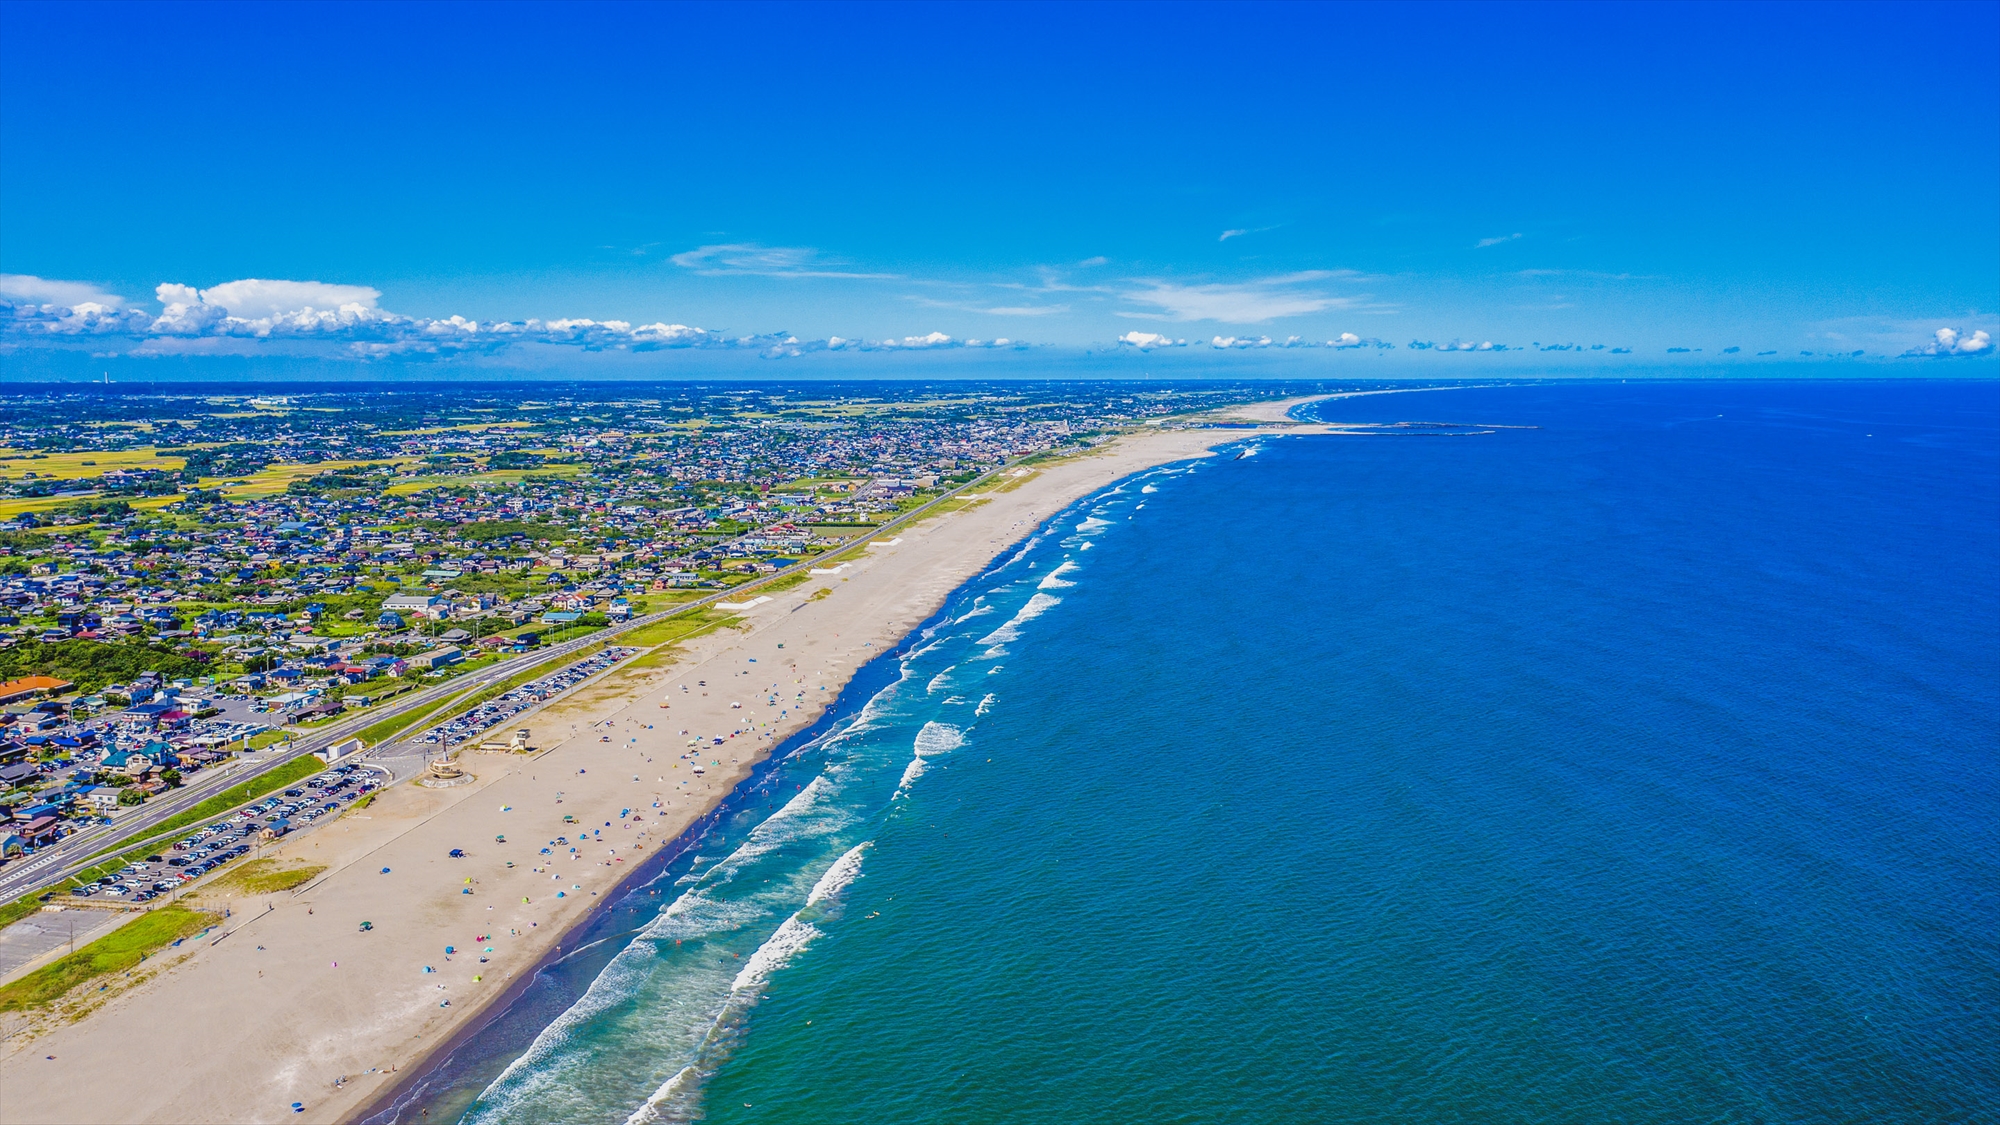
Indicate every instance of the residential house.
{"type": "Point", "coordinates": [436, 658]}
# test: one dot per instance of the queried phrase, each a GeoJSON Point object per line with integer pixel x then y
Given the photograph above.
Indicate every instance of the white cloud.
{"type": "Point", "coordinates": [1240, 232]}
{"type": "Point", "coordinates": [747, 259]}
{"type": "Point", "coordinates": [1485, 242]}
{"type": "Point", "coordinates": [26, 288]}
{"type": "Point", "coordinates": [1950, 341]}
{"type": "Point", "coordinates": [1251, 302]}
{"type": "Point", "coordinates": [1100, 260]}
{"type": "Point", "coordinates": [1146, 341]}
{"type": "Point", "coordinates": [310, 317]}
{"type": "Point", "coordinates": [1240, 342]}
{"type": "Point", "coordinates": [260, 307]}
{"type": "Point", "coordinates": [992, 310]}
{"type": "Point", "coordinates": [257, 297]}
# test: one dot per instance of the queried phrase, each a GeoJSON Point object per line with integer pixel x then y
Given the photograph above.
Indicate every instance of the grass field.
{"type": "Point", "coordinates": [116, 952]}
{"type": "Point", "coordinates": [265, 877]}
{"type": "Point", "coordinates": [488, 477]}
{"type": "Point", "coordinates": [273, 479]}
{"type": "Point", "coordinates": [787, 582]}
{"type": "Point", "coordinates": [15, 506]}
{"type": "Point", "coordinates": [665, 636]}
{"type": "Point", "coordinates": [18, 909]}
{"type": "Point", "coordinates": [83, 466]}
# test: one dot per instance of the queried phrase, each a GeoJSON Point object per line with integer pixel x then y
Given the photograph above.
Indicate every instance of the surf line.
{"type": "Point", "coordinates": [419, 1079]}
{"type": "Point", "coordinates": [430, 1073]}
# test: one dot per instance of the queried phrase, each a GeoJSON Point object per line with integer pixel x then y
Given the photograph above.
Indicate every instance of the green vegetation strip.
{"type": "Point", "coordinates": [785, 583]}
{"type": "Point", "coordinates": [115, 952]}
{"type": "Point", "coordinates": [666, 645]}
{"type": "Point", "coordinates": [18, 909]}
{"type": "Point", "coordinates": [394, 725]}
{"type": "Point", "coordinates": [264, 876]}
{"type": "Point", "coordinates": [677, 628]}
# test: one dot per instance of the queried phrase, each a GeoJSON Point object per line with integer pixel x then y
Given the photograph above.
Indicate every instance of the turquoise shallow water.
{"type": "Point", "coordinates": [1636, 767]}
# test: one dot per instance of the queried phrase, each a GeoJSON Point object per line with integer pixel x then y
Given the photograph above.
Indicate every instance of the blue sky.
{"type": "Point", "coordinates": [329, 185]}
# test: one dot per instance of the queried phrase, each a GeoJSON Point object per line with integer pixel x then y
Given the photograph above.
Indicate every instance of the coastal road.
{"type": "Point", "coordinates": [74, 853]}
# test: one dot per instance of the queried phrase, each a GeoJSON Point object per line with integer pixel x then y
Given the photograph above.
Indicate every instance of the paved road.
{"type": "Point", "coordinates": [57, 862]}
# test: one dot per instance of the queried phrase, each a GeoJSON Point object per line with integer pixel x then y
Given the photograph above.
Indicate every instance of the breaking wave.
{"type": "Point", "coordinates": [1055, 581]}
{"type": "Point", "coordinates": [1011, 631]}
{"type": "Point", "coordinates": [679, 1097]}
{"type": "Point", "coordinates": [669, 1010]}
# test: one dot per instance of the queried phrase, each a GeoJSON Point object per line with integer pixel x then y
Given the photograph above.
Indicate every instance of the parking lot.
{"type": "Point", "coordinates": [229, 838]}
{"type": "Point", "coordinates": [531, 694]}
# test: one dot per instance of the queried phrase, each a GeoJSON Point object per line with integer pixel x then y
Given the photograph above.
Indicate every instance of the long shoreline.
{"type": "Point", "coordinates": [349, 1018]}
{"type": "Point", "coordinates": [385, 1109]}
{"type": "Point", "coordinates": [411, 1080]}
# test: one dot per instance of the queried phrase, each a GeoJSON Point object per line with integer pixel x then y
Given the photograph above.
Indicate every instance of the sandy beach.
{"type": "Point", "coordinates": [297, 998]}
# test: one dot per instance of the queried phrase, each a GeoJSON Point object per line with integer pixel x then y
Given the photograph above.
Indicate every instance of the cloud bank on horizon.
{"type": "Point", "coordinates": [255, 310]}
{"type": "Point", "coordinates": [245, 316]}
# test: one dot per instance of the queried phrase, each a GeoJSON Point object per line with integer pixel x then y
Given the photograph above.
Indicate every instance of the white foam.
{"type": "Point", "coordinates": [776, 952]}
{"type": "Point", "coordinates": [1011, 631]}
{"type": "Point", "coordinates": [838, 877]}
{"type": "Point", "coordinates": [1092, 523]}
{"type": "Point", "coordinates": [938, 738]}
{"type": "Point", "coordinates": [938, 681]}
{"type": "Point", "coordinates": [870, 716]}
{"type": "Point", "coordinates": [1017, 556]}
{"type": "Point", "coordinates": [1150, 488]}
{"type": "Point", "coordinates": [681, 1086]}
{"type": "Point", "coordinates": [679, 1094]}
{"type": "Point", "coordinates": [911, 773]}
{"type": "Point", "coordinates": [986, 704]}
{"type": "Point", "coordinates": [934, 739]}
{"type": "Point", "coordinates": [1055, 579]}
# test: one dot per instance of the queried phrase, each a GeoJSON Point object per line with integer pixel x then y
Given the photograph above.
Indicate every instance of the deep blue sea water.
{"type": "Point", "coordinates": [1639, 766]}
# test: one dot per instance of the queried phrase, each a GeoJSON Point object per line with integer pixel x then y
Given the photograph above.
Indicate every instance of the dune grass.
{"type": "Point", "coordinates": [116, 952]}
{"type": "Point", "coordinates": [18, 909]}
{"type": "Point", "coordinates": [264, 876]}
{"type": "Point", "coordinates": [394, 725]}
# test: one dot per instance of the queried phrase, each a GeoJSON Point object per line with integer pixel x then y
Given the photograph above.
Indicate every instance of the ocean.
{"type": "Point", "coordinates": [1597, 752]}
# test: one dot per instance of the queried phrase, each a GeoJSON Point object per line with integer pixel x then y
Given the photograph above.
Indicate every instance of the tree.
{"type": "Point", "coordinates": [131, 797]}
{"type": "Point", "coordinates": [172, 778]}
